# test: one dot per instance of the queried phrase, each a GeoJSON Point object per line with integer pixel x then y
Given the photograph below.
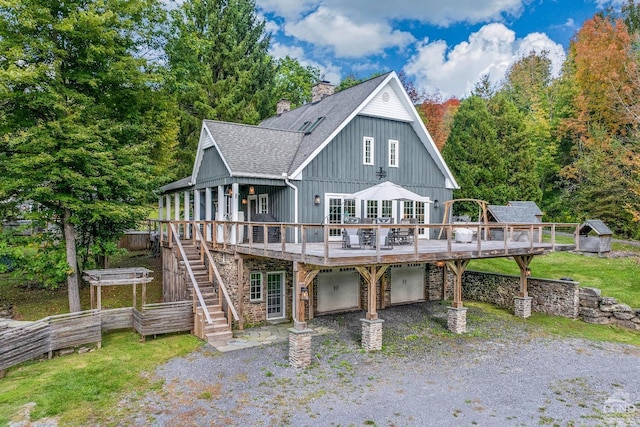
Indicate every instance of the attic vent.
{"type": "Point", "coordinates": [308, 127]}
{"type": "Point", "coordinates": [385, 97]}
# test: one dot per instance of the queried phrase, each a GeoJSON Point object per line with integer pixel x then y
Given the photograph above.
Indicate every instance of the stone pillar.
{"type": "Point", "coordinates": [522, 306]}
{"type": "Point", "coordinates": [457, 320]}
{"type": "Point", "coordinates": [300, 347]}
{"type": "Point", "coordinates": [372, 334]}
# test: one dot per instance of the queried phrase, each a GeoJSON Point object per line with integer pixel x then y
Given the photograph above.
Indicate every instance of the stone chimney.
{"type": "Point", "coordinates": [320, 90]}
{"type": "Point", "coordinates": [283, 106]}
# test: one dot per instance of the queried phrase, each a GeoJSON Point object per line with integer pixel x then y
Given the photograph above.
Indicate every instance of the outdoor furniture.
{"type": "Point", "coordinates": [352, 237]}
{"type": "Point", "coordinates": [404, 235]}
{"type": "Point", "coordinates": [384, 236]}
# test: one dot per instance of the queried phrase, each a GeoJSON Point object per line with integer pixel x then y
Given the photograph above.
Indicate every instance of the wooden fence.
{"type": "Point", "coordinates": [35, 339]}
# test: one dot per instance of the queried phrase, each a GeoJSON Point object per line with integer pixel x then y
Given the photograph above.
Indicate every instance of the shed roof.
{"type": "Point", "coordinates": [597, 226]}
{"type": "Point", "coordinates": [177, 185]}
{"type": "Point", "coordinates": [531, 206]}
{"type": "Point", "coordinates": [512, 214]}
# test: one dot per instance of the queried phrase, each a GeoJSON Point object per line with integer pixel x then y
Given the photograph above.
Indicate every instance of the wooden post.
{"type": "Point", "coordinates": [240, 277]}
{"type": "Point", "coordinates": [99, 297]}
{"type": "Point", "coordinates": [144, 294]}
{"type": "Point", "coordinates": [372, 309]}
{"type": "Point", "coordinates": [523, 262]}
{"type": "Point", "coordinates": [134, 296]}
{"type": "Point", "coordinates": [92, 295]}
{"type": "Point", "coordinates": [457, 267]}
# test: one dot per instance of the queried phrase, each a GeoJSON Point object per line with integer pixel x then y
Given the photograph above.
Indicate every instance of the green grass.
{"type": "Point", "coordinates": [616, 277]}
{"type": "Point", "coordinates": [85, 388]}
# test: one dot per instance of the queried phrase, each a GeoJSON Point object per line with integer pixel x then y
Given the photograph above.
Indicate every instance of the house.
{"type": "Point", "coordinates": [302, 165]}
{"type": "Point", "coordinates": [299, 171]}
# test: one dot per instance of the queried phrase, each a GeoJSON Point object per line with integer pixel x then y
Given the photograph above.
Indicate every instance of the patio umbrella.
{"type": "Point", "coordinates": [388, 191]}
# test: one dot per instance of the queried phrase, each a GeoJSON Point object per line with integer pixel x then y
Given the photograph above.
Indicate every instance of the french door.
{"type": "Point", "coordinates": [339, 207]}
{"type": "Point", "coordinates": [418, 211]}
{"type": "Point", "coordinates": [275, 296]}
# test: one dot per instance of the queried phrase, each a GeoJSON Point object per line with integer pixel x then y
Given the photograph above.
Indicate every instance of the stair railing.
{"type": "Point", "coordinates": [212, 265]}
{"type": "Point", "coordinates": [196, 288]}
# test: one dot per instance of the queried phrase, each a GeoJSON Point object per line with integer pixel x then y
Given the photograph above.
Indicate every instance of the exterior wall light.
{"type": "Point", "coordinates": [316, 199]}
{"type": "Point", "coordinates": [436, 204]}
{"type": "Point", "coordinates": [252, 190]}
{"type": "Point", "coordinates": [304, 293]}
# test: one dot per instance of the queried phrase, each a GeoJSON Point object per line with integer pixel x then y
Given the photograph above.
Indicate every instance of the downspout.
{"type": "Point", "coordinates": [295, 204]}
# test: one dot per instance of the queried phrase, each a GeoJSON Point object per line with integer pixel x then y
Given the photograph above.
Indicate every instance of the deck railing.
{"type": "Point", "coordinates": [225, 235]}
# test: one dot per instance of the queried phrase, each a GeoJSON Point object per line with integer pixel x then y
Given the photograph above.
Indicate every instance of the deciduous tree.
{"type": "Point", "coordinates": [81, 114]}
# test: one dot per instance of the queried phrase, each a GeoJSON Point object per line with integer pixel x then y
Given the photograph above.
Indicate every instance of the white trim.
{"type": "Point", "coordinates": [396, 150]}
{"type": "Point", "coordinates": [372, 152]}
{"type": "Point", "coordinates": [283, 293]}
{"type": "Point", "coordinates": [416, 123]}
{"type": "Point", "coordinates": [261, 287]}
{"type": "Point", "coordinates": [206, 141]}
{"type": "Point", "coordinates": [261, 198]}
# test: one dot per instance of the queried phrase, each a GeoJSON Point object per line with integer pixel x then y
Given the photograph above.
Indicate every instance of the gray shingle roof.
{"type": "Point", "coordinates": [532, 206]}
{"type": "Point", "coordinates": [335, 109]}
{"type": "Point", "coordinates": [253, 150]}
{"type": "Point", "coordinates": [177, 185]}
{"type": "Point", "coordinates": [598, 226]}
{"type": "Point", "coordinates": [512, 214]}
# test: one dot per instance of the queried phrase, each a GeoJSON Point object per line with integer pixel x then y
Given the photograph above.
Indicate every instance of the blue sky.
{"type": "Point", "coordinates": [442, 46]}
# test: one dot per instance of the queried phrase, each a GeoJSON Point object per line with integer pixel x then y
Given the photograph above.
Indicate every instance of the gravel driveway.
{"type": "Point", "coordinates": [503, 372]}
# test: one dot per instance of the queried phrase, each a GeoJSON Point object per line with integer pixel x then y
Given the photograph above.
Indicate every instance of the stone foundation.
{"type": "Point", "coordinates": [457, 320]}
{"type": "Point", "coordinates": [372, 334]}
{"type": "Point", "coordinates": [300, 347]}
{"type": "Point", "coordinates": [522, 306]}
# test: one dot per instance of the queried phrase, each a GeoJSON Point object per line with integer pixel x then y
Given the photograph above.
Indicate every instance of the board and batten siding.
{"type": "Point", "coordinates": [339, 167]}
{"type": "Point", "coordinates": [211, 169]}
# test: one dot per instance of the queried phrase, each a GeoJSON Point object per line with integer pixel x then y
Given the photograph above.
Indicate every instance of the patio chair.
{"type": "Point", "coordinates": [405, 235]}
{"type": "Point", "coordinates": [352, 237]}
{"type": "Point", "coordinates": [385, 236]}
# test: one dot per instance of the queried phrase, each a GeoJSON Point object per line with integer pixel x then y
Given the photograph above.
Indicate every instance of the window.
{"type": "Point", "coordinates": [367, 150]}
{"type": "Point", "coordinates": [393, 153]}
{"type": "Point", "coordinates": [263, 203]}
{"type": "Point", "coordinates": [255, 286]}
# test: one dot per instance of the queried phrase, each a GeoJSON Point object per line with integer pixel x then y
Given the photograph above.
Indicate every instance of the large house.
{"type": "Point", "coordinates": [305, 172]}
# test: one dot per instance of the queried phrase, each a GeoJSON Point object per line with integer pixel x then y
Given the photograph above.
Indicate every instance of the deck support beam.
{"type": "Point", "coordinates": [457, 313]}
{"type": "Point", "coordinates": [300, 334]}
{"type": "Point", "coordinates": [522, 303]}
{"type": "Point", "coordinates": [371, 325]}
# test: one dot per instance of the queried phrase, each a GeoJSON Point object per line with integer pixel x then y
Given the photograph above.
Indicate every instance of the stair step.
{"type": "Point", "coordinates": [219, 336]}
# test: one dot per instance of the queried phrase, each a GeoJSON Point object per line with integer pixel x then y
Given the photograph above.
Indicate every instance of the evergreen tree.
{"type": "Point", "coordinates": [221, 70]}
{"type": "Point", "coordinates": [82, 115]}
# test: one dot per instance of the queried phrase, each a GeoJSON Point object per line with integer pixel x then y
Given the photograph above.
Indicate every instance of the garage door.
{"type": "Point", "coordinates": [407, 284]}
{"type": "Point", "coordinates": [338, 290]}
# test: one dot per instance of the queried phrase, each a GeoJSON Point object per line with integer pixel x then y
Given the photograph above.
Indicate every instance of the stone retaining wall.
{"type": "Point", "coordinates": [554, 297]}
{"type": "Point", "coordinates": [594, 308]}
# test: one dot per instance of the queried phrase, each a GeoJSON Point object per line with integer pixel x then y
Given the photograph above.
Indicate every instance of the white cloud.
{"type": "Point", "coordinates": [436, 12]}
{"type": "Point", "coordinates": [491, 50]}
{"type": "Point", "coordinates": [347, 38]}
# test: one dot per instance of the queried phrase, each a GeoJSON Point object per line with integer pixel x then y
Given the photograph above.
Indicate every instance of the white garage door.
{"type": "Point", "coordinates": [407, 284]}
{"type": "Point", "coordinates": [338, 290]}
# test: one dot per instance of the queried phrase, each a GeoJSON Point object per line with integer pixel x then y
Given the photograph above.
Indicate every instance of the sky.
{"type": "Point", "coordinates": [443, 46]}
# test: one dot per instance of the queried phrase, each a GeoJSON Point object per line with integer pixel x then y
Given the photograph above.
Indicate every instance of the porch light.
{"type": "Point", "coordinates": [440, 264]}
{"type": "Point", "coordinates": [316, 199]}
{"type": "Point", "coordinates": [229, 191]}
{"type": "Point", "coordinates": [244, 201]}
{"type": "Point", "coordinates": [436, 204]}
{"type": "Point", "coordinates": [252, 190]}
{"type": "Point", "coordinates": [304, 293]}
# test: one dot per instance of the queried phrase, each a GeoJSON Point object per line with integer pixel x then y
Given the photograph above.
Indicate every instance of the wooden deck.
{"type": "Point", "coordinates": [522, 239]}
{"type": "Point", "coordinates": [427, 251]}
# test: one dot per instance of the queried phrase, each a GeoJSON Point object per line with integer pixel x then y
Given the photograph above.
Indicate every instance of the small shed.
{"type": "Point", "coordinates": [520, 213]}
{"type": "Point", "coordinates": [595, 237]}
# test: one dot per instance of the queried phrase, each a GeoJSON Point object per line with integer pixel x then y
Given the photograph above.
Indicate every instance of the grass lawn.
{"type": "Point", "coordinates": [616, 277]}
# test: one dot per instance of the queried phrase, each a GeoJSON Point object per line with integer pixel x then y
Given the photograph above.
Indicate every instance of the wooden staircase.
{"type": "Point", "coordinates": [219, 330]}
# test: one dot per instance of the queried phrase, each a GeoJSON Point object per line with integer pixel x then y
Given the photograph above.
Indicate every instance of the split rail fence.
{"type": "Point", "coordinates": [35, 339]}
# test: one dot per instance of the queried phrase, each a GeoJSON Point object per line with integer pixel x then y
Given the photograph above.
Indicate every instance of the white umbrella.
{"type": "Point", "coordinates": [388, 191]}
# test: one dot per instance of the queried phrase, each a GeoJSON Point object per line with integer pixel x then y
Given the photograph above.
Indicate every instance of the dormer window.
{"type": "Point", "coordinates": [367, 150]}
{"type": "Point", "coordinates": [394, 147]}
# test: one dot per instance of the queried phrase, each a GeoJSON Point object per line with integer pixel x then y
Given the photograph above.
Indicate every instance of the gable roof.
{"type": "Point", "coordinates": [252, 150]}
{"type": "Point", "coordinates": [512, 214]}
{"type": "Point", "coordinates": [597, 225]}
{"type": "Point", "coordinates": [530, 205]}
{"type": "Point", "coordinates": [288, 142]}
